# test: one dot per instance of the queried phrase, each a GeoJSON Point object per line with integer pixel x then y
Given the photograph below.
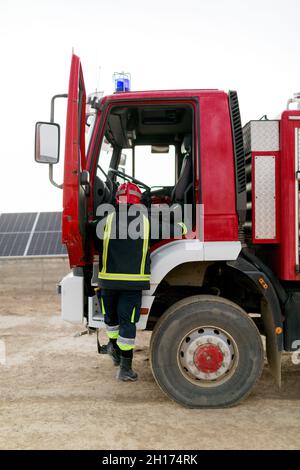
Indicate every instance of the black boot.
{"type": "Point", "coordinates": [126, 374]}
{"type": "Point", "coordinates": [114, 351]}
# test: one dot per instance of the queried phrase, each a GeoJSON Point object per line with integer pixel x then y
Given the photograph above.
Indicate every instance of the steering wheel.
{"type": "Point", "coordinates": [129, 178]}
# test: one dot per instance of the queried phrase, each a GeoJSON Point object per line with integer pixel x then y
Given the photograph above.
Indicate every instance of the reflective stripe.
{"type": "Point", "coordinates": [133, 315]}
{"type": "Point", "coordinates": [112, 331]}
{"type": "Point", "coordinates": [129, 341]}
{"type": "Point", "coordinates": [145, 244]}
{"type": "Point", "coordinates": [102, 307]}
{"type": "Point", "coordinates": [125, 344]}
{"type": "Point", "coordinates": [125, 347]}
{"type": "Point", "coordinates": [134, 193]}
{"type": "Point", "coordinates": [184, 228]}
{"type": "Point", "coordinates": [106, 238]}
{"type": "Point", "coordinates": [112, 334]}
{"type": "Point", "coordinates": [112, 328]}
{"type": "Point", "coordinates": [131, 191]}
{"type": "Point", "coordinates": [124, 277]}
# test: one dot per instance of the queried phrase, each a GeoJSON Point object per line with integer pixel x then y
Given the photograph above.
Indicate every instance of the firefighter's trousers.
{"type": "Point", "coordinates": [121, 310]}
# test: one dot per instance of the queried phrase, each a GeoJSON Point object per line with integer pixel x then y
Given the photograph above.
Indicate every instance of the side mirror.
{"type": "Point", "coordinates": [47, 139]}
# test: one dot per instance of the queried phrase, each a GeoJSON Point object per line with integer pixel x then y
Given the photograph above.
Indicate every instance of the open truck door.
{"type": "Point", "coordinates": [76, 177]}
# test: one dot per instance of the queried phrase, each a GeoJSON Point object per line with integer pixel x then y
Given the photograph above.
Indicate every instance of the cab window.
{"type": "Point", "coordinates": [154, 169]}
{"type": "Point", "coordinates": [104, 161]}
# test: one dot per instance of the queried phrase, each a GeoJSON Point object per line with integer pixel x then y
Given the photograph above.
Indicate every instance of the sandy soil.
{"type": "Point", "coordinates": [57, 392]}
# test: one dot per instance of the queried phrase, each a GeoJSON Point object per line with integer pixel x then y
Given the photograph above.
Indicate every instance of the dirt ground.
{"type": "Point", "coordinates": [57, 392]}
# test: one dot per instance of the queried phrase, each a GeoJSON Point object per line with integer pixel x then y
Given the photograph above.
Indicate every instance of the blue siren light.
{"type": "Point", "coordinates": [122, 81]}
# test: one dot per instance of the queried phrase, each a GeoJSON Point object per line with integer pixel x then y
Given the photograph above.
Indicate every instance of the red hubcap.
{"type": "Point", "coordinates": [208, 358]}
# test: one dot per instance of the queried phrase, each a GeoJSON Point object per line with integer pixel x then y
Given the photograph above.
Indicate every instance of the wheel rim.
{"type": "Point", "coordinates": [208, 356]}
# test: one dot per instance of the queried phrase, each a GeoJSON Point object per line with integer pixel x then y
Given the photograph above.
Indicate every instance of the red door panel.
{"type": "Point", "coordinates": [74, 198]}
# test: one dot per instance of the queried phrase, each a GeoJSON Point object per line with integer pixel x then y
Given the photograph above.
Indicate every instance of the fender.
{"type": "Point", "coordinates": [270, 312]}
{"type": "Point", "coordinates": [168, 257]}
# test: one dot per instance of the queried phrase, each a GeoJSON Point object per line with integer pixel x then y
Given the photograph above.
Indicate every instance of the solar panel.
{"type": "Point", "coordinates": [46, 243]}
{"type": "Point", "coordinates": [16, 223]}
{"type": "Point", "coordinates": [31, 234]}
{"type": "Point", "coordinates": [49, 222]}
{"type": "Point", "coordinates": [13, 244]}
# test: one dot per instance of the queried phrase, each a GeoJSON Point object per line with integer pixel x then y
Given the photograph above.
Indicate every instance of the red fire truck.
{"type": "Point", "coordinates": [213, 294]}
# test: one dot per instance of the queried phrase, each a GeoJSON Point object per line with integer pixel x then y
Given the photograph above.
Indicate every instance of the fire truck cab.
{"type": "Point", "coordinates": [234, 277]}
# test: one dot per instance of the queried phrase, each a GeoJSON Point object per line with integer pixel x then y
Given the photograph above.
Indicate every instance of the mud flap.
{"type": "Point", "coordinates": [292, 322]}
{"type": "Point", "coordinates": [273, 354]}
{"type": "Point", "coordinates": [270, 312]}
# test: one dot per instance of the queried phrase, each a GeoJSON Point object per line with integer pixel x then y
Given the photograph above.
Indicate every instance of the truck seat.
{"type": "Point", "coordinates": [185, 177]}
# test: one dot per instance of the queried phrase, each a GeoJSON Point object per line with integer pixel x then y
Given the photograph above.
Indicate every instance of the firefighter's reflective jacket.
{"type": "Point", "coordinates": [125, 259]}
{"type": "Point", "coordinates": [123, 242]}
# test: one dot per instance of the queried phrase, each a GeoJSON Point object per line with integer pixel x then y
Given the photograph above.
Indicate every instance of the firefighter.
{"type": "Point", "coordinates": [124, 272]}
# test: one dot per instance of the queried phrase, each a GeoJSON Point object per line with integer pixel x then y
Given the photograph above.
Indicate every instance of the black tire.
{"type": "Point", "coordinates": [191, 314]}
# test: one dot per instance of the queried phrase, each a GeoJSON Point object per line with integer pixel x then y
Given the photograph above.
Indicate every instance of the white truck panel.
{"type": "Point", "coordinates": [72, 307]}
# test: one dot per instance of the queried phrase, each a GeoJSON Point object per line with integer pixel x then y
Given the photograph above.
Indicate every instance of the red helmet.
{"type": "Point", "coordinates": [128, 193]}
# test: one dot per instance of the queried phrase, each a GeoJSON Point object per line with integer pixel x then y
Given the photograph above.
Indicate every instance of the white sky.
{"type": "Point", "coordinates": [251, 46]}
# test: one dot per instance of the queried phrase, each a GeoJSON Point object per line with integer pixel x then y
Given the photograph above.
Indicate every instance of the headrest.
{"type": "Point", "coordinates": [186, 146]}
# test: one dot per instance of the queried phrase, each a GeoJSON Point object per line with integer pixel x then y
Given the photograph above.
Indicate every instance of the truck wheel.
{"type": "Point", "coordinates": [206, 352]}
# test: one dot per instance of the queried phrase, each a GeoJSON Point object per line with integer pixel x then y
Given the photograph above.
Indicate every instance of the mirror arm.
{"type": "Point", "coordinates": [60, 186]}
{"type": "Point", "coordinates": [64, 95]}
